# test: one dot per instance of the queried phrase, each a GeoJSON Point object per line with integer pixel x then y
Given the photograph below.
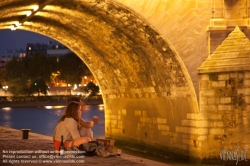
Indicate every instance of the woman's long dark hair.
{"type": "Point", "coordinates": [71, 111]}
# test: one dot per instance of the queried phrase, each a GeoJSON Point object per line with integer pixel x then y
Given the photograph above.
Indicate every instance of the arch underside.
{"type": "Point", "coordinates": [146, 89]}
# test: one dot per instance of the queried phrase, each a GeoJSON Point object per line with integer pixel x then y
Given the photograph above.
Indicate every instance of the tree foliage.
{"type": "Point", "coordinates": [39, 86]}
{"type": "Point", "coordinates": [16, 76]}
{"type": "Point", "coordinates": [39, 67]}
{"type": "Point", "coordinates": [30, 75]}
{"type": "Point", "coordinates": [91, 89]}
{"type": "Point", "coordinates": [15, 69]}
{"type": "Point", "coordinates": [71, 68]}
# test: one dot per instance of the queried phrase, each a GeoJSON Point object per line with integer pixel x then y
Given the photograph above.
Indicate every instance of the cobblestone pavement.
{"type": "Point", "coordinates": [18, 152]}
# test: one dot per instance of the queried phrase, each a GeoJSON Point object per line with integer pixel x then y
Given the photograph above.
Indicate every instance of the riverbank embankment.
{"type": "Point", "coordinates": [38, 150]}
{"type": "Point", "coordinates": [43, 103]}
{"type": "Point", "coordinates": [31, 104]}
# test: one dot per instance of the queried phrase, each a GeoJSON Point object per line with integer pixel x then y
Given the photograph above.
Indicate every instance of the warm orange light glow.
{"type": "Point", "coordinates": [50, 7]}
{"type": "Point", "coordinates": [35, 8]}
{"type": "Point", "coordinates": [28, 13]}
{"type": "Point", "coordinates": [12, 27]}
{"type": "Point", "coordinates": [101, 107]}
{"type": "Point", "coordinates": [51, 107]}
{"type": "Point", "coordinates": [6, 108]}
{"type": "Point", "coordinates": [27, 23]}
{"type": "Point", "coordinates": [18, 23]}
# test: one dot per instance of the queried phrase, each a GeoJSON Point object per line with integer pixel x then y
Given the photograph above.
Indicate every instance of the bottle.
{"type": "Point", "coordinates": [61, 148]}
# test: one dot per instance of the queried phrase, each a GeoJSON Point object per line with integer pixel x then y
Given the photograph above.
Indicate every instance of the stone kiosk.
{"type": "Point", "coordinates": [224, 79]}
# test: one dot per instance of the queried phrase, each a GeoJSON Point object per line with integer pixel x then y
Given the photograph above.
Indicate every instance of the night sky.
{"type": "Point", "coordinates": [18, 39]}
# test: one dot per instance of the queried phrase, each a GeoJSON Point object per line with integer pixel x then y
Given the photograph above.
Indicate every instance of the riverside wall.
{"type": "Point", "coordinates": [42, 104]}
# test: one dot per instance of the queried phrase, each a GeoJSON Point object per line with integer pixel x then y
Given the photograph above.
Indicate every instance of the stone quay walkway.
{"type": "Point", "coordinates": [37, 150]}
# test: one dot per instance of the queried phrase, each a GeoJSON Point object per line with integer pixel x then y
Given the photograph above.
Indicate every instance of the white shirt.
{"type": "Point", "coordinates": [67, 128]}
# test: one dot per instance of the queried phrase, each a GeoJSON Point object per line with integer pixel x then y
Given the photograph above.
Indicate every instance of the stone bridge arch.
{"type": "Point", "coordinates": [147, 91]}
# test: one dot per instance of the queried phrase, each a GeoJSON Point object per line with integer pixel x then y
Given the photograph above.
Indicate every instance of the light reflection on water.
{"type": "Point", "coordinates": [101, 107]}
{"type": "Point", "coordinates": [50, 107]}
{"type": "Point", "coordinates": [44, 120]}
{"type": "Point", "coordinates": [7, 117]}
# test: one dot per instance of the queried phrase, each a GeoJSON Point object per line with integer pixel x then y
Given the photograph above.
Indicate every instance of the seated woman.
{"type": "Point", "coordinates": [68, 126]}
{"type": "Point", "coordinates": [85, 126]}
{"type": "Point", "coordinates": [74, 129]}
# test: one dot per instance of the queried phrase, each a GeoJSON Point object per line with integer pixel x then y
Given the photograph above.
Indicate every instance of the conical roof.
{"type": "Point", "coordinates": [232, 55]}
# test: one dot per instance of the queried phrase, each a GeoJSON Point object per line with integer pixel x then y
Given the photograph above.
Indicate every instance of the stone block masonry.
{"type": "Point", "coordinates": [227, 96]}
{"type": "Point", "coordinates": [227, 120]}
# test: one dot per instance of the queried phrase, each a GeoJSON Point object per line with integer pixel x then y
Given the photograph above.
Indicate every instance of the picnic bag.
{"type": "Point", "coordinates": [109, 144]}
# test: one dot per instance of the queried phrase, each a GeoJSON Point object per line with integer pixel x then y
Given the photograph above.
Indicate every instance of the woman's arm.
{"type": "Point", "coordinates": [89, 124]}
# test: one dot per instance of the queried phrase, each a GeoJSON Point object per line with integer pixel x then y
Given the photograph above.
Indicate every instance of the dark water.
{"type": "Point", "coordinates": [43, 120]}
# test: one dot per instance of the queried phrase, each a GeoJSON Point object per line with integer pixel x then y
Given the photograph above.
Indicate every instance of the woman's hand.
{"type": "Point", "coordinates": [89, 124]}
{"type": "Point", "coordinates": [95, 119]}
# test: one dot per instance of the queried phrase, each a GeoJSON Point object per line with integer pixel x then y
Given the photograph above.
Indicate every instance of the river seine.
{"type": "Point", "coordinates": [43, 120]}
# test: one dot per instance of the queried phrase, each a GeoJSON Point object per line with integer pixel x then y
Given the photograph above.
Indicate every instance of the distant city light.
{"type": "Point", "coordinates": [5, 87]}
{"type": "Point", "coordinates": [75, 87]}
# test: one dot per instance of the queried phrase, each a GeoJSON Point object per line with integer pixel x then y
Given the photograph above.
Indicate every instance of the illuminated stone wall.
{"type": "Point", "coordinates": [183, 23]}
{"type": "Point", "coordinates": [225, 112]}
{"type": "Point", "coordinates": [224, 96]}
